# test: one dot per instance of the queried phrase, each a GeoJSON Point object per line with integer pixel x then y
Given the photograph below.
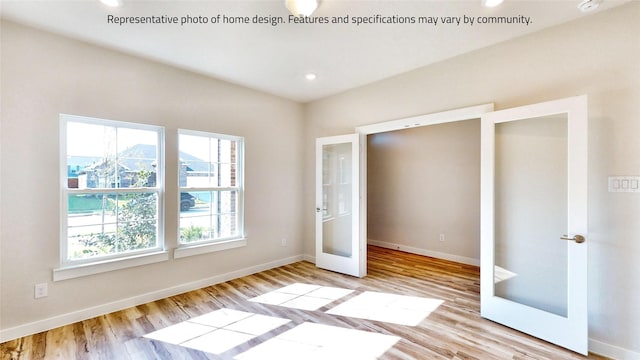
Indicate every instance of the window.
{"type": "Point", "coordinates": [111, 189]}
{"type": "Point", "coordinates": [211, 187]}
{"type": "Point", "coordinates": [336, 181]}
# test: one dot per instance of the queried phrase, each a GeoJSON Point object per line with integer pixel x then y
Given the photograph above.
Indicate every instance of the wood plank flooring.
{"type": "Point", "coordinates": [454, 331]}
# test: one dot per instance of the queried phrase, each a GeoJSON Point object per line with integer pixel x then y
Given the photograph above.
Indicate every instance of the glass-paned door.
{"type": "Point", "coordinates": [340, 243]}
{"type": "Point", "coordinates": [534, 220]}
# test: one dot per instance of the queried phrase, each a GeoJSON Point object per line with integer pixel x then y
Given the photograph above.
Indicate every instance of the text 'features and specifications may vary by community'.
{"type": "Point", "coordinates": [270, 20]}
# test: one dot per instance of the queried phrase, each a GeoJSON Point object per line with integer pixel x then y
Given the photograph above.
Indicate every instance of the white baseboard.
{"type": "Point", "coordinates": [611, 351]}
{"type": "Point", "coordinates": [88, 313]}
{"type": "Point", "coordinates": [309, 258]}
{"type": "Point", "coordinates": [419, 251]}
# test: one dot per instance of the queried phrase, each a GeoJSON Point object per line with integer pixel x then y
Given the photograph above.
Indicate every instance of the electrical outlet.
{"type": "Point", "coordinates": [283, 242]}
{"type": "Point", "coordinates": [40, 291]}
{"type": "Point", "coordinates": [441, 237]}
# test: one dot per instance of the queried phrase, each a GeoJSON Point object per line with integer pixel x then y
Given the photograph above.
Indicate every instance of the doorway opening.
{"type": "Point", "coordinates": [423, 184]}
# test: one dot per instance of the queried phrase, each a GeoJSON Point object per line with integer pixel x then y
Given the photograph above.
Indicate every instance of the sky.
{"type": "Point", "coordinates": [93, 140]}
{"type": "Point", "coordinates": [97, 140]}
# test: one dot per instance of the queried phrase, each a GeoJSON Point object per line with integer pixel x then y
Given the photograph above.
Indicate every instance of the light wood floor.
{"type": "Point", "coordinates": [454, 331]}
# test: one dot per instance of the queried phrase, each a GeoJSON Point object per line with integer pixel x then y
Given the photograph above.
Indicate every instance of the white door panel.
{"type": "Point", "coordinates": [340, 234]}
{"type": "Point", "coordinates": [534, 193]}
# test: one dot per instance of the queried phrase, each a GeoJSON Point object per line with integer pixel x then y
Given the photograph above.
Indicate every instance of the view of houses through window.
{"type": "Point", "coordinates": [210, 187]}
{"type": "Point", "coordinates": [111, 191]}
{"type": "Point", "coordinates": [114, 184]}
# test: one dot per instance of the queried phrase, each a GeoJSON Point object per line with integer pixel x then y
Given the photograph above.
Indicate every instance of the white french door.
{"type": "Point", "coordinates": [534, 220]}
{"type": "Point", "coordinates": [340, 224]}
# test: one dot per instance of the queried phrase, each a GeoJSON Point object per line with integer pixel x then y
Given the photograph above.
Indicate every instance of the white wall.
{"type": "Point", "coordinates": [598, 56]}
{"type": "Point", "coordinates": [44, 75]}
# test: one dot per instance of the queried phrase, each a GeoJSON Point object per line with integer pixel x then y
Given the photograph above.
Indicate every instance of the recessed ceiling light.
{"type": "Point", "coordinates": [112, 3]}
{"type": "Point", "coordinates": [301, 7]}
{"type": "Point", "coordinates": [491, 3]}
{"type": "Point", "coordinates": [310, 76]}
{"type": "Point", "coordinates": [589, 5]}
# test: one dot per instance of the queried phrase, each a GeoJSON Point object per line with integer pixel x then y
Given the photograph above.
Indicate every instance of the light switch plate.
{"type": "Point", "coordinates": [624, 183]}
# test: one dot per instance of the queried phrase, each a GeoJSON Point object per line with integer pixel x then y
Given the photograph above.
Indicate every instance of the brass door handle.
{"type": "Point", "coordinates": [578, 238]}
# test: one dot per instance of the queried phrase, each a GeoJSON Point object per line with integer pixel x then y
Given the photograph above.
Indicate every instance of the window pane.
{"type": "Point", "coordinates": [225, 151]}
{"type": "Point", "coordinates": [226, 220]}
{"type": "Point", "coordinates": [100, 156]}
{"type": "Point", "coordinates": [197, 174]}
{"type": "Point", "coordinates": [195, 215]}
{"type": "Point", "coordinates": [214, 216]}
{"type": "Point", "coordinates": [194, 147]}
{"type": "Point", "coordinates": [214, 149]}
{"type": "Point", "coordinates": [137, 224]}
{"type": "Point", "coordinates": [91, 156]}
{"type": "Point", "coordinates": [104, 224]}
{"type": "Point", "coordinates": [227, 203]}
{"type": "Point", "coordinates": [96, 141]}
{"type": "Point", "coordinates": [195, 168]}
{"type": "Point", "coordinates": [91, 225]}
{"type": "Point", "coordinates": [225, 175]}
{"type": "Point", "coordinates": [137, 157]}
{"type": "Point", "coordinates": [207, 161]}
{"type": "Point", "coordinates": [228, 225]}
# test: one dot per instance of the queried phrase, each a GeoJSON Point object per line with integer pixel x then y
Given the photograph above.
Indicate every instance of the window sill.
{"type": "Point", "coordinates": [186, 251]}
{"type": "Point", "coordinates": [76, 271]}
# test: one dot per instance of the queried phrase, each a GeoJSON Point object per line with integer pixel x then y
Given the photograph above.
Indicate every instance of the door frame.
{"type": "Point", "coordinates": [442, 117]}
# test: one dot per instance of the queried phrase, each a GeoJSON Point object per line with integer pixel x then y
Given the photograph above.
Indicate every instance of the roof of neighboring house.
{"type": "Point", "coordinates": [137, 157]}
{"type": "Point", "coordinates": [82, 161]}
{"type": "Point", "coordinates": [193, 163]}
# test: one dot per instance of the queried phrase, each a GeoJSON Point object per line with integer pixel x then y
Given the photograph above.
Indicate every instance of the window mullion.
{"type": "Point", "coordinates": [212, 188]}
{"type": "Point", "coordinates": [112, 190]}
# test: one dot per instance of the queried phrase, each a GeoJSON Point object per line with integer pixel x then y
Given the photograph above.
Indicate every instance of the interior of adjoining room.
{"type": "Point", "coordinates": [423, 190]}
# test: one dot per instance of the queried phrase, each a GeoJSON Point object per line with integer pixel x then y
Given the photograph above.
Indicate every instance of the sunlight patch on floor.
{"type": "Point", "coordinates": [391, 308]}
{"type": "Point", "coordinates": [218, 331]}
{"type": "Point", "coordinates": [312, 341]}
{"type": "Point", "coordinates": [222, 330]}
{"type": "Point", "coordinates": [302, 296]}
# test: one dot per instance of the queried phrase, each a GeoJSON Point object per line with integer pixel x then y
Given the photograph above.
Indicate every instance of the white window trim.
{"type": "Point", "coordinates": [187, 250]}
{"type": "Point", "coordinates": [97, 267]}
{"type": "Point", "coordinates": [209, 246]}
{"type": "Point", "coordinates": [72, 268]}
